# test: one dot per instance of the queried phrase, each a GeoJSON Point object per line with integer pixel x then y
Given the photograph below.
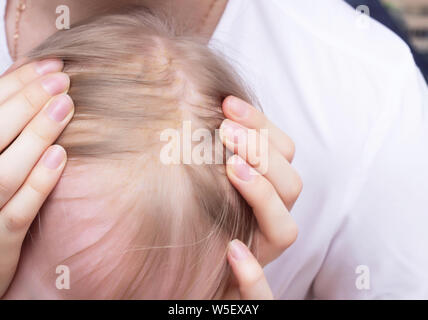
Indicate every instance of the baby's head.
{"type": "Point", "coordinates": [125, 222]}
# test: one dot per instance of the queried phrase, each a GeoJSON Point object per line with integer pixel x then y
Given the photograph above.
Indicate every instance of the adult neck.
{"type": "Point", "coordinates": [38, 21]}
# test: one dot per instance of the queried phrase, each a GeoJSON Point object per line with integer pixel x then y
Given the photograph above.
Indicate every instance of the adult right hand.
{"type": "Point", "coordinates": [34, 110]}
{"type": "Point", "coordinates": [270, 194]}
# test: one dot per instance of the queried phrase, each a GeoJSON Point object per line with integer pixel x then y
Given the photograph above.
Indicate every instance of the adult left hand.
{"type": "Point", "coordinates": [271, 194]}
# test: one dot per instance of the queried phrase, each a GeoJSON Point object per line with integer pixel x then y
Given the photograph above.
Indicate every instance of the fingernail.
{"type": "Point", "coordinates": [240, 168]}
{"type": "Point", "coordinates": [53, 157]}
{"type": "Point", "coordinates": [238, 107]}
{"type": "Point", "coordinates": [238, 250]}
{"type": "Point", "coordinates": [233, 132]}
{"type": "Point", "coordinates": [60, 108]}
{"type": "Point", "coordinates": [56, 83]}
{"type": "Point", "coordinates": [48, 66]}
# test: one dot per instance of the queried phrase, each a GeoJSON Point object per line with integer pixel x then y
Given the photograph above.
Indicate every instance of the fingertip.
{"type": "Point", "coordinates": [238, 251]}
{"type": "Point", "coordinates": [59, 147]}
{"type": "Point", "coordinates": [248, 271]}
{"type": "Point", "coordinates": [239, 169]}
{"type": "Point", "coordinates": [54, 157]}
{"type": "Point", "coordinates": [48, 66]}
{"type": "Point", "coordinates": [56, 83]}
{"type": "Point", "coordinates": [238, 256]}
{"type": "Point", "coordinates": [228, 101]}
{"type": "Point", "coordinates": [236, 108]}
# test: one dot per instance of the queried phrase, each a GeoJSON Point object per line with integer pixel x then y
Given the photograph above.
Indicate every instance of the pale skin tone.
{"type": "Point", "coordinates": [38, 21]}
{"type": "Point", "coordinates": [30, 166]}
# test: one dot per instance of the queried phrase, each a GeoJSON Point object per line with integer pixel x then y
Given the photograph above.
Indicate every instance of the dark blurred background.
{"type": "Point", "coordinates": [408, 19]}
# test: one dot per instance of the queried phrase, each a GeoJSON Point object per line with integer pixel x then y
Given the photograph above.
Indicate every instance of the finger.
{"type": "Point", "coordinates": [16, 80]}
{"type": "Point", "coordinates": [248, 116]}
{"type": "Point", "coordinates": [19, 159]}
{"type": "Point", "coordinates": [18, 214]}
{"type": "Point", "coordinates": [17, 111]}
{"type": "Point", "coordinates": [254, 147]}
{"type": "Point", "coordinates": [274, 221]}
{"type": "Point", "coordinates": [21, 61]}
{"type": "Point", "coordinates": [248, 273]}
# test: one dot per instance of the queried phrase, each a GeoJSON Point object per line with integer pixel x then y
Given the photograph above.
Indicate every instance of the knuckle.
{"type": "Point", "coordinates": [292, 234]}
{"type": "Point", "coordinates": [253, 277]}
{"type": "Point", "coordinates": [29, 99]}
{"type": "Point", "coordinates": [24, 74]}
{"type": "Point", "coordinates": [265, 194]}
{"type": "Point", "coordinates": [40, 135]}
{"type": "Point", "coordinates": [297, 187]}
{"type": "Point", "coordinates": [291, 150]}
{"type": "Point", "coordinates": [6, 184]}
{"type": "Point", "coordinates": [264, 123]}
{"type": "Point", "coordinates": [20, 76]}
{"type": "Point", "coordinates": [14, 223]}
{"type": "Point", "coordinates": [39, 186]}
{"type": "Point", "coordinates": [284, 237]}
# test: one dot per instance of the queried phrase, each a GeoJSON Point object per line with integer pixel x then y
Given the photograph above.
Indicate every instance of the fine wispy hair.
{"type": "Point", "coordinates": [133, 74]}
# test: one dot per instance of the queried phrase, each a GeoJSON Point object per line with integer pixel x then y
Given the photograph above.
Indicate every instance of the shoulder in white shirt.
{"type": "Point", "coordinates": [355, 104]}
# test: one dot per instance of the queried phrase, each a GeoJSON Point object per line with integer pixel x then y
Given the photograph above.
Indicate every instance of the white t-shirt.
{"type": "Point", "coordinates": [356, 106]}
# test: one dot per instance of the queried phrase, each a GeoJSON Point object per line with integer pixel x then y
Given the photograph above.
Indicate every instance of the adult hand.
{"type": "Point", "coordinates": [34, 110]}
{"type": "Point", "coordinates": [271, 194]}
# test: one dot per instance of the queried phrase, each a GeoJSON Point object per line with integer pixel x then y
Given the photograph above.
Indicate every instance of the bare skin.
{"type": "Point", "coordinates": [38, 20]}
{"type": "Point", "coordinates": [25, 181]}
